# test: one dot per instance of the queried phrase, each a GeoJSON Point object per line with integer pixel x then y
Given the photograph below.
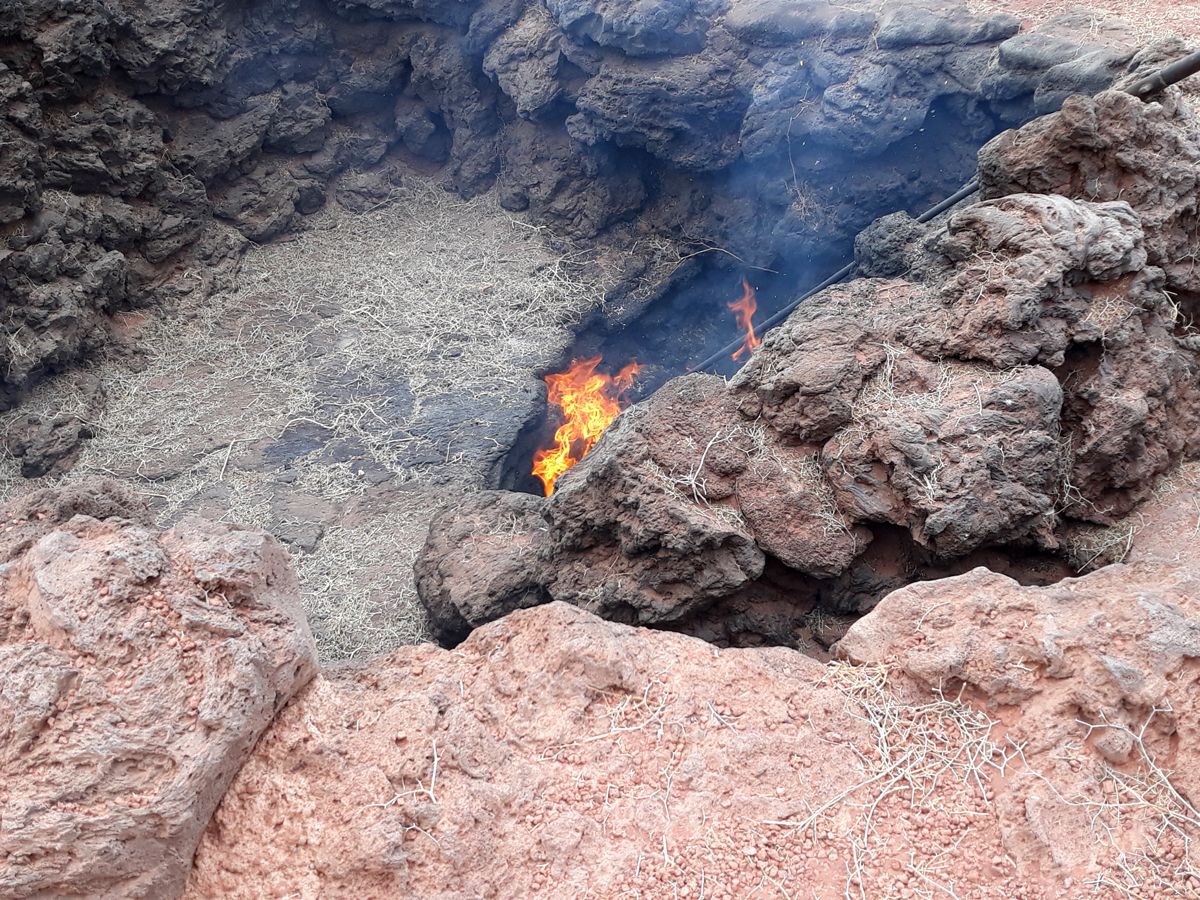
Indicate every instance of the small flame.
{"type": "Point", "coordinates": [744, 309]}
{"type": "Point", "coordinates": [589, 401]}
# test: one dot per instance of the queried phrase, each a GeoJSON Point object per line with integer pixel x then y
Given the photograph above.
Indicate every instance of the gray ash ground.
{"type": "Point", "coordinates": [361, 375]}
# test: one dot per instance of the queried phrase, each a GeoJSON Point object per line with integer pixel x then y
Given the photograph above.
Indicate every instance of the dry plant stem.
{"type": "Point", "coordinates": [915, 748]}
{"type": "Point", "coordinates": [351, 333]}
{"type": "Point", "coordinates": [645, 711]}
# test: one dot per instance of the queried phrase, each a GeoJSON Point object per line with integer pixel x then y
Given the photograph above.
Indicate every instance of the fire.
{"type": "Point", "coordinates": [589, 401]}
{"type": "Point", "coordinates": [744, 310]}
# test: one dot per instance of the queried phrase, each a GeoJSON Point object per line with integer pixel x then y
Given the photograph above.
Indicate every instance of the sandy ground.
{"type": "Point", "coordinates": [1145, 20]}
{"type": "Point", "coordinates": [364, 373]}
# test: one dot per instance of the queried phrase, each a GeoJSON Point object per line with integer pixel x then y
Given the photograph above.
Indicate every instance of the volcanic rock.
{"type": "Point", "coordinates": [1016, 735]}
{"type": "Point", "coordinates": [1082, 153]}
{"type": "Point", "coordinates": [685, 111]}
{"type": "Point", "coordinates": [1026, 373]}
{"type": "Point", "coordinates": [525, 62]}
{"type": "Point", "coordinates": [1099, 660]}
{"type": "Point", "coordinates": [468, 539]}
{"type": "Point", "coordinates": [1012, 734]}
{"type": "Point", "coordinates": [45, 446]}
{"type": "Point", "coordinates": [139, 670]}
{"type": "Point", "coordinates": [641, 27]}
{"type": "Point", "coordinates": [779, 22]}
{"type": "Point", "coordinates": [128, 130]}
{"type": "Point", "coordinates": [902, 26]}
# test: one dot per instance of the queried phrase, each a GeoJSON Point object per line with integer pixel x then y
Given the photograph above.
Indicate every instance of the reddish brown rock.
{"type": "Point", "coordinates": [138, 670]}
{"type": "Point", "coordinates": [1086, 152]}
{"type": "Point", "coordinates": [1093, 680]}
{"type": "Point", "coordinates": [961, 456]}
{"type": "Point", "coordinates": [1029, 267]}
{"type": "Point", "coordinates": [1001, 741]}
{"type": "Point", "coordinates": [1029, 374]}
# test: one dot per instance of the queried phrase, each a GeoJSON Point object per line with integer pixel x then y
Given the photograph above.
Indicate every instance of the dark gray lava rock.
{"type": "Point", "coordinates": [468, 576]}
{"type": "Point", "coordinates": [903, 25]}
{"type": "Point", "coordinates": [637, 27]}
{"type": "Point", "coordinates": [443, 12]}
{"type": "Point", "coordinates": [889, 246]}
{"type": "Point", "coordinates": [686, 111]}
{"type": "Point", "coordinates": [261, 204]}
{"type": "Point", "coordinates": [301, 120]}
{"type": "Point", "coordinates": [23, 164]}
{"type": "Point", "coordinates": [759, 127]}
{"type": "Point", "coordinates": [525, 60]}
{"type": "Point", "coordinates": [45, 446]}
{"type": "Point", "coordinates": [783, 22]}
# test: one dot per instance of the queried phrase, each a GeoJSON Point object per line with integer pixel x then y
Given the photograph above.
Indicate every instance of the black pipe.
{"type": "Point", "coordinates": [1165, 77]}
{"type": "Point", "coordinates": [953, 200]}
{"type": "Point", "coordinates": [1144, 89]}
{"type": "Point", "coordinates": [932, 213]}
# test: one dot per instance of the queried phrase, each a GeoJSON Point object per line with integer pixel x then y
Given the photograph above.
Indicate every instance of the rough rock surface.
{"type": "Point", "coordinates": [1031, 369]}
{"type": "Point", "coordinates": [992, 739]}
{"type": "Point", "coordinates": [138, 670]}
{"type": "Point", "coordinates": [1078, 154]}
{"type": "Point", "coordinates": [999, 740]}
{"type": "Point", "coordinates": [130, 129]}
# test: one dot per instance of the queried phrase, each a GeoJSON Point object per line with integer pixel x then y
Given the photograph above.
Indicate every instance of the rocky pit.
{"type": "Point", "coordinates": [902, 607]}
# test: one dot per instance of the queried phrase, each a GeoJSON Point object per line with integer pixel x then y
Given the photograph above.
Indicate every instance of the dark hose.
{"type": "Point", "coordinates": [1143, 89]}
{"type": "Point", "coordinates": [1165, 77]}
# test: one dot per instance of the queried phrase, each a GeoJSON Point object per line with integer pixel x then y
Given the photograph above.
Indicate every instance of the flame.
{"type": "Point", "coordinates": [589, 401]}
{"type": "Point", "coordinates": [744, 309]}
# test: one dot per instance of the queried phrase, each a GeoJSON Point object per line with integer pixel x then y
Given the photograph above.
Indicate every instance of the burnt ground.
{"type": "Point", "coordinates": [360, 375]}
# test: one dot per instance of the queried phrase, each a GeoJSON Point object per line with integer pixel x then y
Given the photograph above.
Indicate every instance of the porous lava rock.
{"type": "Point", "coordinates": [1007, 740]}
{"type": "Point", "coordinates": [1079, 153]}
{"type": "Point", "coordinates": [138, 669]}
{"type": "Point", "coordinates": [1012, 740]}
{"type": "Point", "coordinates": [1029, 371]}
{"type": "Point", "coordinates": [145, 144]}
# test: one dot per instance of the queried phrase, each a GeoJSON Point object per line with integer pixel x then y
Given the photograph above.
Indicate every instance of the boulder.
{"type": "Point", "coordinates": [782, 22]}
{"type": "Point", "coordinates": [525, 62]}
{"type": "Point", "coordinates": [1025, 375]}
{"type": "Point", "coordinates": [139, 669]}
{"type": "Point", "coordinates": [1001, 739]}
{"type": "Point", "coordinates": [465, 537]}
{"type": "Point", "coordinates": [686, 111]}
{"type": "Point", "coordinates": [902, 25]}
{"type": "Point", "coordinates": [1099, 662]}
{"type": "Point", "coordinates": [1109, 148]}
{"type": "Point", "coordinates": [1029, 270]}
{"type": "Point", "coordinates": [640, 27]}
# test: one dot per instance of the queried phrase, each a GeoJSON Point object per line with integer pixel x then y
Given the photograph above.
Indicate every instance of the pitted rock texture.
{"type": "Point", "coordinates": [143, 144]}
{"type": "Point", "coordinates": [1030, 371]}
{"type": "Point", "coordinates": [1014, 741]}
{"type": "Point", "coordinates": [1002, 740]}
{"type": "Point", "coordinates": [1078, 153]}
{"type": "Point", "coordinates": [138, 670]}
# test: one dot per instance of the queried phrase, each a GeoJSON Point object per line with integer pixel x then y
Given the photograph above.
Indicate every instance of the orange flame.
{"type": "Point", "coordinates": [589, 401]}
{"type": "Point", "coordinates": [744, 309]}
